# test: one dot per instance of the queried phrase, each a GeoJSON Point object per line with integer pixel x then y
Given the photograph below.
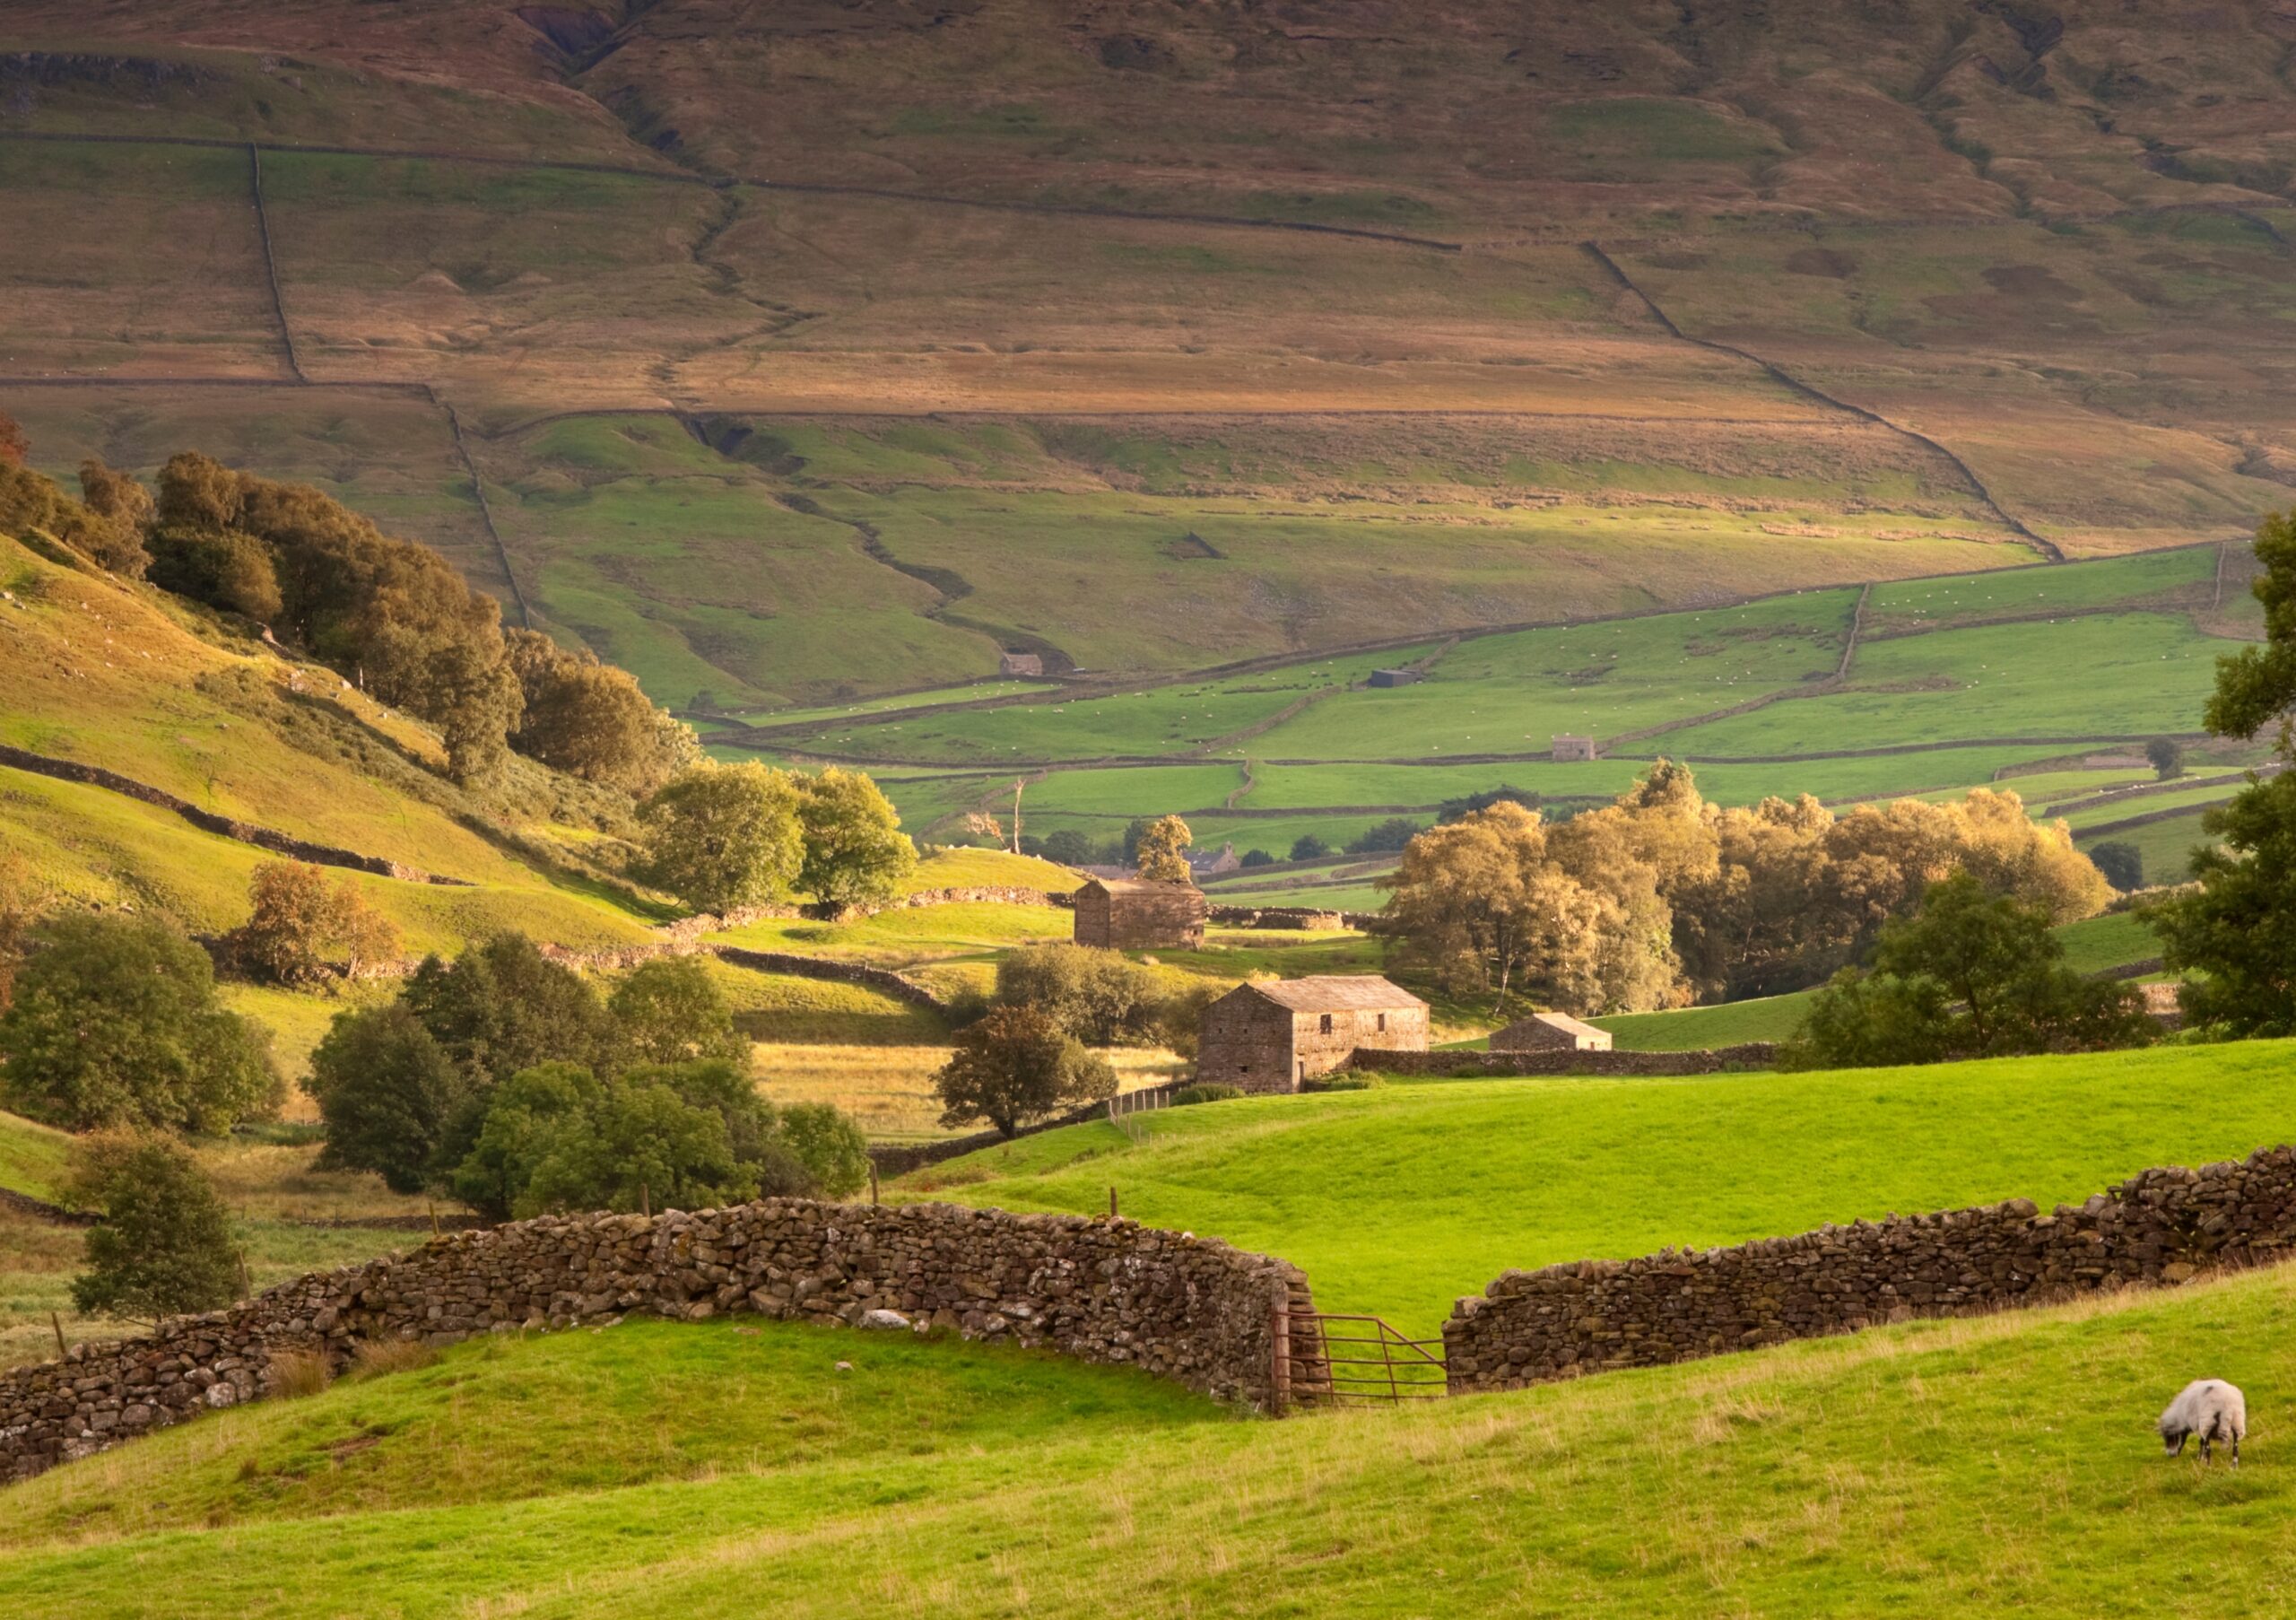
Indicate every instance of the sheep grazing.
{"type": "Point", "coordinates": [2210, 1409]}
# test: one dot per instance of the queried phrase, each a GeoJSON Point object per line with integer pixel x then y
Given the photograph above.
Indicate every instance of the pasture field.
{"type": "Point", "coordinates": [1398, 1199]}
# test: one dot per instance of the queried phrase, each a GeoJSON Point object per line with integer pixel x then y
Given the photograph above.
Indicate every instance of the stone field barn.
{"type": "Point", "coordinates": [1270, 1037]}
{"type": "Point", "coordinates": [1123, 914]}
{"type": "Point", "coordinates": [1550, 1032]}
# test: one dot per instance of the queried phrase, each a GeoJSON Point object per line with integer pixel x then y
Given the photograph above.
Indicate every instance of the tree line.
{"type": "Point", "coordinates": [1662, 898]}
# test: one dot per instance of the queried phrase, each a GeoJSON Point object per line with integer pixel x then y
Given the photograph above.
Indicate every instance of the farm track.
{"type": "Point", "coordinates": [1787, 380]}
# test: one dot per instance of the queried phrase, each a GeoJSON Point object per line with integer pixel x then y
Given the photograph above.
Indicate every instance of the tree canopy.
{"type": "Point", "coordinates": [115, 1022]}
{"type": "Point", "coordinates": [1970, 975]}
{"type": "Point", "coordinates": [164, 1246]}
{"type": "Point", "coordinates": [1162, 853]}
{"type": "Point", "coordinates": [1660, 897]}
{"type": "Point", "coordinates": [1016, 1065]}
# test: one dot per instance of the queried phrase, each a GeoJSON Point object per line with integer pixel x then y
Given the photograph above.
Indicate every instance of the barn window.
{"type": "Point", "coordinates": [1326, 1028]}
{"type": "Point", "coordinates": [1383, 1023]}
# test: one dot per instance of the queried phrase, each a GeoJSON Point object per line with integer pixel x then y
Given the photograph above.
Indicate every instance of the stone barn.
{"type": "Point", "coordinates": [1011, 663]}
{"type": "Point", "coordinates": [1270, 1037]}
{"type": "Point", "coordinates": [1550, 1032]}
{"type": "Point", "coordinates": [1125, 914]}
{"type": "Point", "coordinates": [1574, 748]}
{"type": "Point", "coordinates": [1393, 677]}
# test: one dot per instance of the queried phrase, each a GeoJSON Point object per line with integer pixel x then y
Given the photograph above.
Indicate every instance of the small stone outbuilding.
{"type": "Point", "coordinates": [1029, 663]}
{"type": "Point", "coordinates": [1550, 1032]}
{"type": "Point", "coordinates": [1271, 1037]}
{"type": "Point", "coordinates": [1393, 677]}
{"type": "Point", "coordinates": [1574, 748]}
{"type": "Point", "coordinates": [1125, 914]}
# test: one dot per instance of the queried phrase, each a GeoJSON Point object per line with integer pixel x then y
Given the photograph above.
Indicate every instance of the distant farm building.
{"type": "Point", "coordinates": [1215, 864]}
{"type": "Point", "coordinates": [1550, 1032]}
{"type": "Point", "coordinates": [1271, 1037]}
{"type": "Point", "coordinates": [1125, 914]}
{"type": "Point", "coordinates": [1574, 748]}
{"type": "Point", "coordinates": [1021, 664]}
{"type": "Point", "coordinates": [1394, 677]}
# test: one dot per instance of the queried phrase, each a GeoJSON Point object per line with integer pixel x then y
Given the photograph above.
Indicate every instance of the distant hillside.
{"type": "Point", "coordinates": [792, 354]}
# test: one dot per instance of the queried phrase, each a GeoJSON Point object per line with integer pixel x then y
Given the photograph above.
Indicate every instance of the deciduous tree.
{"type": "Point", "coordinates": [670, 1010]}
{"type": "Point", "coordinates": [1015, 1065]}
{"type": "Point", "coordinates": [855, 850]}
{"type": "Point", "coordinates": [115, 1022]}
{"type": "Point", "coordinates": [1162, 851]}
{"type": "Point", "coordinates": [1970, 975]}
{"type": "Point", "coordinates": [722, 836]}
{"type": "Point", "coordinates": [388, 1093]}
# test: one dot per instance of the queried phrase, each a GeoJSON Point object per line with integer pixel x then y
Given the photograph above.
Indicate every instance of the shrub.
{"type": "Point", "coordinates": [1256, 857]}
{"type": "Point", "coordinates": [1015, 1065]}
{"type": "Point", "coordinates": [164, 1245]}
{"type": "Point", "coordinates": [1309, 847]}
{"type": "Point", "coordinates": [831, 1146]}
{"type": "Point", "coordinates": [115, 1022]}
{"type": "Point", "coordinates": [2167, 757]}
{"type": "Point", "coordinates": [1340, 1083]}
{"type": "Point", "coordinates": [1188, 1096]}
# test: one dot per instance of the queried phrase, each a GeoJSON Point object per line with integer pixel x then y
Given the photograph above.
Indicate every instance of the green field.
{"type": "Point", "coordinates": [1399, 1199]}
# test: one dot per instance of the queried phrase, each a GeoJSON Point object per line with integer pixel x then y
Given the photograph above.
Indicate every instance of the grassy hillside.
{"type": "Point", "coordinates": [1398, 1200]}
{"type": "Point", "coordinates": [1949, 1473]}
{"type": "Point", "coordinates": [1032, 360]}
{"type": "Point", "coordinates": [34, 1160]}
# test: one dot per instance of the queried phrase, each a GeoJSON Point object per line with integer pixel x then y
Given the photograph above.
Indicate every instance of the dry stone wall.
{"type": "Point", "coordinates": [2162, 1226]}
{"type": "Point", "coordinates": [1186, 1308]}
{"type": "Point", "coordinates": [1715, 1060]}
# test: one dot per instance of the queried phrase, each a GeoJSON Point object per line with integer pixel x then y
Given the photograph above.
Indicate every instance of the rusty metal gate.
{"type": "Point", "coordinates": [1328, 1359]}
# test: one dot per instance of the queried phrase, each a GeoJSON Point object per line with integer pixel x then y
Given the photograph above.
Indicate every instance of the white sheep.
{"type": "Point", "coordinates": [2211, 1409]}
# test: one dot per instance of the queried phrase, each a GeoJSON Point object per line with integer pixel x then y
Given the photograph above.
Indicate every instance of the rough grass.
{"type": "Point", "coordinates": [1399, 1199]}
{"type": "Point", "coordinates": [888, 1089]}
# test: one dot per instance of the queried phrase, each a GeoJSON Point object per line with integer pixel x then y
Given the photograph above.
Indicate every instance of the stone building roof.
{"type": "Point", "coordinates": [1132, 885]}
{"type": "Point", "coordinates": [1564, 1023]}
{"type": "Point", "coordinates": [1336, 993]}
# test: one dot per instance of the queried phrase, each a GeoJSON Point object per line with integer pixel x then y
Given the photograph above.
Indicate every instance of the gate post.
{"type": "Point", "coordinates": [1279, 1371]}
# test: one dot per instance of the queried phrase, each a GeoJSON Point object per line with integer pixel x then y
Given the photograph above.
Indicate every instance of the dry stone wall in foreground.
{"type": "Point", "coordinates": [2161, 1226]}
{"type": "Point", "coordinates": [1187, 1308]}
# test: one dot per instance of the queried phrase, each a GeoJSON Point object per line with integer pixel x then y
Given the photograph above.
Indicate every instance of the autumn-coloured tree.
{"type": "Point", "coordinates": [15, 444]}
{"type": "Point", "coordinates": [1163, 851]}
{"type": "Point", "coordinates": [301, 920]}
